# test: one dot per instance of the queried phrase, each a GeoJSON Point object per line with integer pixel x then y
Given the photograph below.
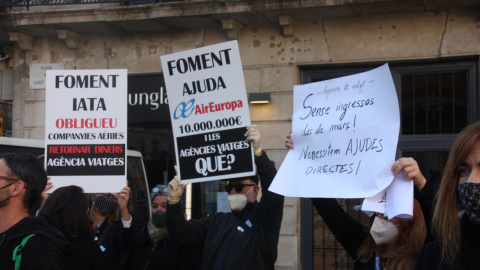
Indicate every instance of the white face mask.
{"type": "Point", "coordinates": [383, 231]}
{"type": "Point", "coordinates": [237, 202]}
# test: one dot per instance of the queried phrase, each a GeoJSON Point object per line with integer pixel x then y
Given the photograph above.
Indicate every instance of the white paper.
{"type": "Point", "coordinates": [345, 134]}
{"type": "Point", "coordinates": [395, 201]}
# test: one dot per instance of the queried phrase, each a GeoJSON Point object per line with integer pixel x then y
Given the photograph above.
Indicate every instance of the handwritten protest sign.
{"type": "Point", "coordinates": [86, 129]}
{"type": "Point", "coordinates": [345, 134]}
{"type": "Point", "coordinates": [209, 112]}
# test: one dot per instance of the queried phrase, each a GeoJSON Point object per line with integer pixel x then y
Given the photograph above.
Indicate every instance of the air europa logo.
{"type": "Point", "coordinates": [218, 107]}
{"type": "Point", "coordinates": [185, 109]}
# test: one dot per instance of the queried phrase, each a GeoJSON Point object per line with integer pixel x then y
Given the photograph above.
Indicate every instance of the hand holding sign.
{"type": "Point", "coordinates": [253, 135]}
{"type": "Point", "coordinates": [122, 199]}
{"type": "Point", "coordinates": [175, 188]}
{"type": "Point", "coordinates": [397, 199]}
{"type": "Point", "coordinates": [410, 171]}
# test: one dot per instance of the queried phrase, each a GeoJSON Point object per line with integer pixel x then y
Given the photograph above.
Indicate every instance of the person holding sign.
{"type": "Point", "coordinates": [390, 243]}
{"type": "Point", "coordinates": [113, 236]}
{"type": "Point", "coordinates": [158, 249]}
{"type": "Point", "coordinates": [456, 219]}
{"type": "Point", "coordinates": [246, 238]}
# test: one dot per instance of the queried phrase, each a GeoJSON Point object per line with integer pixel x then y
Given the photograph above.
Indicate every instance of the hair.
{"type": "Point", "coordinates": [445, 222]}
{"type": "Point", "coordinates": [66, 209]}
{"type": "Point", "coordinates": [111, 219]}
{"type": "Point", "coordinates": [29, 169]}
{"type": "Point", "coordinates": [402, 253]}
{"type": "Point", "coordinates": [158, 191]}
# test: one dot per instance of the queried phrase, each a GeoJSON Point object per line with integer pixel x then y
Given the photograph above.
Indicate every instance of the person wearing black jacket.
{"type": "Point", "coordinates": [112, 223]}
{"type": "Point", "coordinates": [22, 179]}
{"type": "Point", "coordinates": [158, 250]}
{"type": "Point", "coordinates": [457, 246]}
{"type": "Point", "coordinates": [246, 238]}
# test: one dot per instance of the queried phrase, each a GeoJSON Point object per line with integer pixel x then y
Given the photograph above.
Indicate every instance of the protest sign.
{"type": "Point", "coordinates": [345, 134]}
{"type": "Point", "coordinates": [86, 129]}
{"type": "Point", "coordinates": [209, 112]}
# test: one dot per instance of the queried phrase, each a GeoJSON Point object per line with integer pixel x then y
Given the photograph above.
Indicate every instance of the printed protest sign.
{"type": "Point", "coordinates": [209, 112]}
{"type": "Point", "coordinates": [86, 129]}
{"type": "Point", "coordinates": [345, 134]}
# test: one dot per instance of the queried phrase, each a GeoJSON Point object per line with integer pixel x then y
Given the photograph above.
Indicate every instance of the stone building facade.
{"type": "Point", "coordinates": [280, 42]}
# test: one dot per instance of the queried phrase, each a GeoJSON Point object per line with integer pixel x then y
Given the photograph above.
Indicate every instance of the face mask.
{"type": "Point", "coordinates": [383, 231]}
{"type": "Point", "coordinates": [105, 205]}
{"type": "Point", "coordinates": [469, 195]}
{"type": "Point", "coordinates": [158, 218]}
{"type": "Point", "coordinates": [237, 202]}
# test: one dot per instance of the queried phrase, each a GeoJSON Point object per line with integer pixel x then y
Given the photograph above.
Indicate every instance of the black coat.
{"type": "Point", "coordinates": [167, 254]}
{"type": "Point", "coordinates": [45, 250]}
{"type": "Point", "coordinates": [351, 233]}
{"type": "Point", "coordinates": [115, 242]}
{"type": "Point", "coordinates": [430, 258]}
{"type": "Point", "coordinates": [225, 246]}
{"type": "Point", "coordinates": [84, 253]}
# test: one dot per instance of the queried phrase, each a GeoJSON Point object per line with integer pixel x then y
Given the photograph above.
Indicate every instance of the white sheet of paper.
{"type": "Point", "coordinates": [345, 134]}
{"type": "Point", "coordinates": [395, 201]}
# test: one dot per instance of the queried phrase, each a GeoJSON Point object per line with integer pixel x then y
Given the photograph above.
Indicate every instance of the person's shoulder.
{"type": "Point", "coordinates": [44, 234]}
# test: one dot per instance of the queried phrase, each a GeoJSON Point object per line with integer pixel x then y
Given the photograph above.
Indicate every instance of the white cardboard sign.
{"type": "Point", "coordinates": [209, 112]}
{"type": "Point", "coordinates": [345, 134]}
{"type": "Point", "coordinates": [86, 129]}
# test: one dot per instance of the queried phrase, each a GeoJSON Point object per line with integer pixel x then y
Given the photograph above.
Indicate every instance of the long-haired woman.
{"type": "Point", "coordinates": [66, 209]}
{"type": "Point", "coordinates": [456, 217]}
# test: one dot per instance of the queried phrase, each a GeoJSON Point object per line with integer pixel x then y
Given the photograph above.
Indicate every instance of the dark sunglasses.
{"type": "Point", "coordinates": [238, 187]}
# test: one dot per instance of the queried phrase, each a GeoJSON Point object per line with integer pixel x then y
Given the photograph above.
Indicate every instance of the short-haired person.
{"type": "Point", "coordinates": [67, 210]}
{"type": "Point", "coordinates": [456, 217]}
{"type": "Point", "coordinates": [387, 243]}
{"type": "Point", "coordinates": [22, 180]}
{"type": "Point", "coordinates": [246, 238]}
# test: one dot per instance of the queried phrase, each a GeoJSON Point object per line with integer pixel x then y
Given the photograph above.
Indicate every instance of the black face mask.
{"type": "Point", "coordinates": [469, 195]}
{"type": "Point", "coordinates": [105, 205]}
{"type": "Point", "coordinates": [158, 218]}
